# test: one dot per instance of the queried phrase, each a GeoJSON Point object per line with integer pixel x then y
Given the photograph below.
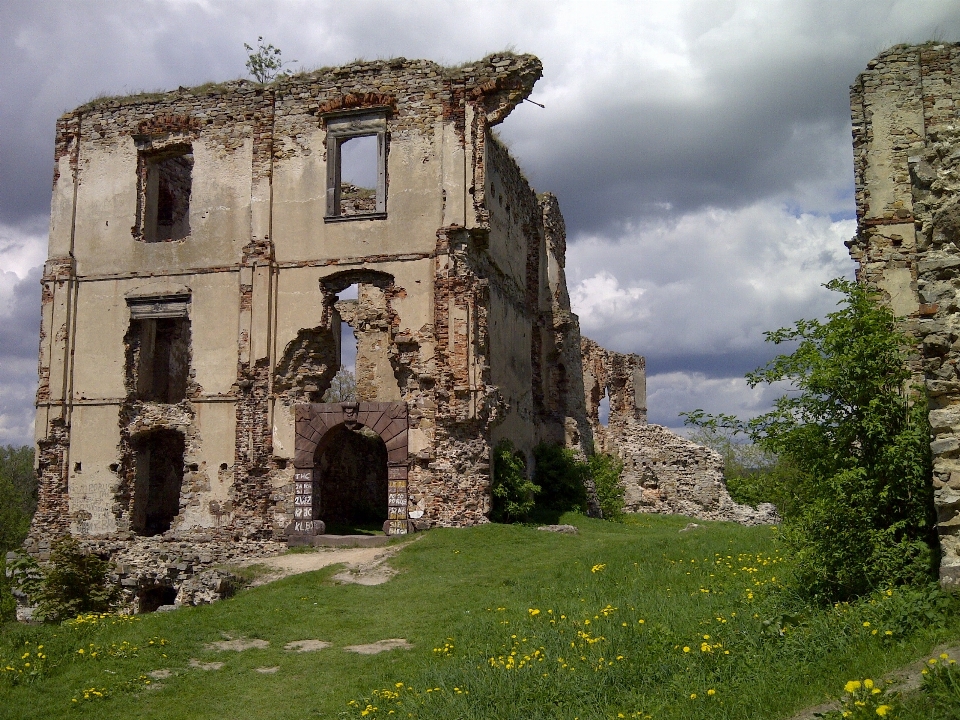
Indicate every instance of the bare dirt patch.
{"type": "Point", "coordinates": [239, 644]}
{"type": "Point", "coordinates": [380, 646]}
{"type": "Point", "coordinates": [306, 645]}
{"type": "Point", "coordinates": [161, 674]}
{"type": "Point", "coordinates": [194, 663]}
{"type": "Point", "coordinates": [267, 670]}
{"type": "Point", "coordinates": [365, 565]}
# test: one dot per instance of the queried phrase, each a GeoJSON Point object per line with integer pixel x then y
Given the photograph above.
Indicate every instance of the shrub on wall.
{"type": "Point", "coordinates": [513, 493]}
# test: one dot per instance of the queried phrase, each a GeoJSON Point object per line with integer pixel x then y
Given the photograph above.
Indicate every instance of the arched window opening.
{"type": "Point", "coordinates": [604, 408]}
{"type": "Point", "coordinates": [350, 468]}
{"type": "Point", "coordinates": [343, 387]}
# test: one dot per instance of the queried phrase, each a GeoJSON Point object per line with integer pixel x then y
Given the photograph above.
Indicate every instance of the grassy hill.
{"type": "Point", "coordinates": [641, 619]}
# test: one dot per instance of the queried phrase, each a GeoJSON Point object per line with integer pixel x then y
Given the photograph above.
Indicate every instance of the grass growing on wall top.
{"type": "Point", "coordinates": [505, 622]}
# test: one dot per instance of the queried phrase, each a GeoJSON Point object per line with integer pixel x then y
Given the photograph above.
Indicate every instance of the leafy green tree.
{"type": "Point", "coordinates": [860, 444]}
{"type": "Point", "coordinates": [605, 470]}
{"type": "Point", "coordinates": [18, 501]}
{"type": "Point", "coordinates": [264, 62]}
{"type": "Point", "coordinates": [343, 388]}
{"type": "Point", "coordinates": [513, 493]}
{"type": "Point", "coordinates": [561, 478]}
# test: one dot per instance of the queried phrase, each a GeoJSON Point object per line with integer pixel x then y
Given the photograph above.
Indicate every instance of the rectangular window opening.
{"type": "Point", "coordinates": [166, 181]}
{"type": "Point", "coordinates": [358, 175]}
{"type": "Point", "coordinates": [163, 363]}
{"type": "Point", "coordinates": [356, 167]}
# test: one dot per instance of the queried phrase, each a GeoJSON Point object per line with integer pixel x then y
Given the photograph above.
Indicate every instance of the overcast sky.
{"type": "Point", "coordinates": [700, 149]}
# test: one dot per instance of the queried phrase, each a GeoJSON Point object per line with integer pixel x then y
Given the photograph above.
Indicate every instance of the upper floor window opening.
{"type": "Point", "coordinates": [166, 178]}
{"type": "Point", "coordinates": [356, 166]}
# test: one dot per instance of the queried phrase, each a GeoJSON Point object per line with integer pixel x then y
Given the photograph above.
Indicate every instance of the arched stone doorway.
{"type": "Point", "coordinates": [314, 423]}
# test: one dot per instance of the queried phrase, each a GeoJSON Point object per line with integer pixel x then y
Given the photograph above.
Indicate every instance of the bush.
{"type": "Point", "coordinates": [75, 582]}
{"type": "Point", "coordinates": [513, 493]}
{"type": "Point", "coordinates": [561, 479]}
{"type": "Point", "coordinates": [859, 444]}
{"type": "Point", "coordinates": [605, 471]}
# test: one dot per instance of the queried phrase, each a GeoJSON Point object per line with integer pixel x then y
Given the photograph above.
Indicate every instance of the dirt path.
{"type": "Point", "coordinates": [365, 566]}
{"type": "Point", "coordinates": [905, 680]}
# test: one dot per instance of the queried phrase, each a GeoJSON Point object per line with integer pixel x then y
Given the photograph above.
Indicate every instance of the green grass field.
{"type": "Point", "coordinates": [623, 620]}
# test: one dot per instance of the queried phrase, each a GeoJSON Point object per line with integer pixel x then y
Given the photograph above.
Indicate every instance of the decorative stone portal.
{"type": "Point", "coordinates": [323, 428]}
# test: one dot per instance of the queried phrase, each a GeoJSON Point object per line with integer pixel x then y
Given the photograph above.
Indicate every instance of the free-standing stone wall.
{"type": "Point", "coordinates": [906, 145]}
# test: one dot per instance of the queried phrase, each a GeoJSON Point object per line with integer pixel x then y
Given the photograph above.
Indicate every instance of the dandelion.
{"type": "Point", "coordinates": [884, 709]}
{"type": "Point", "coordinates": [711, 692]}
{"type": "Point", "coordinates": [852, 686]}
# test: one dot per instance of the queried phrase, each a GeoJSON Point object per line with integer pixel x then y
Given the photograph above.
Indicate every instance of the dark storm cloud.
{"type": "Point", "coordinates": [699, 148]}
{"type": "Point", "coordinates": [19, 328]}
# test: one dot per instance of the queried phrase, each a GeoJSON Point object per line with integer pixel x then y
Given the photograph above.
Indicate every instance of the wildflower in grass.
{"type": "Point", "coordinates": [600, 567]}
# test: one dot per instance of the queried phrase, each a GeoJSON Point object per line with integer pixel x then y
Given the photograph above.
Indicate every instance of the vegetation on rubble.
{"type": "Point", "coordinates": [264, 62]}
{"type": "Point", "coordinates": [74, 582]}
{"type": "Point", "coordinates": [855, 445]}
{"type": "Point", "coordinates": [635, 619]}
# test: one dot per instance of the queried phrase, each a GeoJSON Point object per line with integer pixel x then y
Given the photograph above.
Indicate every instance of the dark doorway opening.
{"type": "Point", "coordinates": [151, 598]}
{"type": "Point", "coordinates": [351, 468]}
{"type": "Point", "coordinates": [159, 477]}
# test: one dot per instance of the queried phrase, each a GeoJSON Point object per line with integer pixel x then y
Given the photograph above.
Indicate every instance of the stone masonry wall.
{"type": "Point", "coordinates": [906, 140]}
{"type": "Point", "coordinates": [662, 472]}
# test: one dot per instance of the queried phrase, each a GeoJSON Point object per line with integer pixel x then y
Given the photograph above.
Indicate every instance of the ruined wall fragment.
{"type": "Point", "coordinates": [905, 141]}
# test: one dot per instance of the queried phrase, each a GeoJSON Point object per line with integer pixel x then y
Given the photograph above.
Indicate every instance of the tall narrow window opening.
{"type": "Point", "coordinates": [159, 478]}
{"type": "Point", "coordinates": [166, 180]}
{"type": "Point", "coordinates": [358, 175]}
{"type": "Point", "coordinates": [163, 365]}
{"type": "Point", "coordinates": [604, 408]}
{"type": "Point", "coordinates": [343, 387]}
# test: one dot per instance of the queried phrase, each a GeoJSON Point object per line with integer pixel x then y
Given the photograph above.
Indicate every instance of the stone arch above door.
{"type": "Point", "coordinates": [389, 420]}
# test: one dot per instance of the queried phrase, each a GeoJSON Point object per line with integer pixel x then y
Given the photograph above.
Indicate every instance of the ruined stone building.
{"type": "Point", "coordinates": [906, 139]}
{"type": "Point", "coordinates": [201, 243]}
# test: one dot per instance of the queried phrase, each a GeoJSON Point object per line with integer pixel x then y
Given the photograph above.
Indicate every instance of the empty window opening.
{"type": "Point", "coordinates": [165, 195]}
{"type": "Point", "coordinates": [343, 387]}
{"type": "Point", "coordinates": [358, 175]}
{"type": "Point", "coordinates": [152, 598]}
{"type": "Point", "coordinates": [352, 469]}
{"type": "Point", "coordinates": [356, 166]}
{"type": "Point", "coordinates": [604, 408]}
{"type": "Point", "coordinates": [159, 477]}
{"type": "Point", "coordinates": [162, 359]}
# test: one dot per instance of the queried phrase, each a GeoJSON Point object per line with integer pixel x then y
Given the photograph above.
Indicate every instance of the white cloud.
{"type": "Point", "coordinates": [707, 283]}
{"type": "Point", "coordinates": [669, 394]}
{"type": "Point", "coordinates": [23, 246]}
